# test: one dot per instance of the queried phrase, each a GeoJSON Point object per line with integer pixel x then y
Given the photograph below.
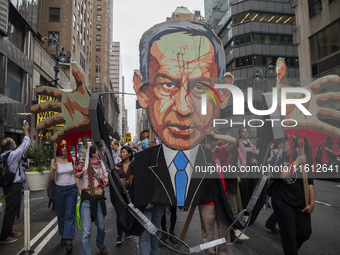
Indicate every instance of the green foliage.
{"type": "Point", "coordinates": [40, 155]}
{"type": "Point", "coordinates": [39, 169]}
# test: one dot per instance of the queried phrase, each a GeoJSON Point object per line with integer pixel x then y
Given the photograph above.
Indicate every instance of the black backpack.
{"type": "Point", "coordinates": [6, 176]}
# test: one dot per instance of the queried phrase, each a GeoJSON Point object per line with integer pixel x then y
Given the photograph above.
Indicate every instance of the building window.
{"type": "Point", "coordinates": [99, 17]}
{"type": "Point", "coordinates": [88, 34]}
{"type": "Point", "coordinates": [89, 74]}
{"type": "Point", "coordinates": [73, 44]}
{"type": "Point", "coordinates": [98, 37]}
{"type": "Point", "coordinates": [90, 23]}
{"type": "Point", "coordinates": [75, 3]}
{"type": "Point", "coordinates": [325, 45]}
{"type": "Point", "coordinates": [16, 33]}
{"type": "Point", "coordinates": [97, 47]}
{"type": "Point", "coordinates": [97, 80]}
{"type": "Point", "coordinates": [315, 6]}
{"type": "Point", "coordinates": [99, 7]}
{"type": "Point", "coordinates": [14, 81]}
{"type": "Point", "coordinates": [97, 69]}
{"type": "Point", "coordinates": [54, 14]}
{"type": "Point", "coordinates": [99, 27]}
{"type": "Point", "coordinates": [263, 17]}
{"type": "Point", "coordinates": [74, 20]}
{"type": "Point", "coordinates": [82, 61]}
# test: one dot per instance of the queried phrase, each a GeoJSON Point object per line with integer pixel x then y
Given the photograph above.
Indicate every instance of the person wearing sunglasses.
{"type": "Point", "coordinates": [65, 195]}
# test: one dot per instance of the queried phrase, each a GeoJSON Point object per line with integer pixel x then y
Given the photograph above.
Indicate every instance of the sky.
{"type": "Point", "coordinates": [131, 18]}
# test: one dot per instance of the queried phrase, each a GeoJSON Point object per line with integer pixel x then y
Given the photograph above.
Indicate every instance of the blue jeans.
{"type": "Point", "coordinates": [65, 199]}
{"type": "Point", "coordinates": [86, 222]}
{"type": "Point", "coordinates": [148, 244]}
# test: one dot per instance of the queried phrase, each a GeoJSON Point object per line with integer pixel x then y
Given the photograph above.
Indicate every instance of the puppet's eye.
{"type": "Point", "coordinates": [168, 85]}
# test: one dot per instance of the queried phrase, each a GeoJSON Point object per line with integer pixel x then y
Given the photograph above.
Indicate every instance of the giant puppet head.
{"type": "Point", "coordinates": [180, 61]}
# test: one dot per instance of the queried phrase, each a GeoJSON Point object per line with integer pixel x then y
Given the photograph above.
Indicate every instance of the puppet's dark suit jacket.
{"type": "Point", "coordinates": [152, 183]}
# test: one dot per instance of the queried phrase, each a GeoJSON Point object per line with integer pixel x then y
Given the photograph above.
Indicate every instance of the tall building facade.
{"type": "Point", "coordinates": [317, 35]}
{"type": "Point", "coordinates": [102, 36]}
{"type": "Point", "coordinates": [72, 24]}
{"type": "Point", "coordinates": [254, 34]}
{"type": "Point", "coordinates": [115, 67]}
{"type": "Point", "coordinates": [18, 29]}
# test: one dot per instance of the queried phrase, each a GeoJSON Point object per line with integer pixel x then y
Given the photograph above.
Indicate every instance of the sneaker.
{"type": "Point", "coordinates": [233, 238]}
{"type": "Point", "coordinates": [8, 240]}
{"type": "Point", "coordinates": [128, 236]}
{"type": "Point", "coordinates": [63, 242]}
{"type": "Point", "coordinates": [119, 240]}
{"type": "Point", "coordinates": [103, 251]}
{"type": "Point", "coordinates": [15, 234]}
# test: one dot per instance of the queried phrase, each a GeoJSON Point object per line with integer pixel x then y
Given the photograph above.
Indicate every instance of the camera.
{"type": "Point", "coordinates": [24, 122]}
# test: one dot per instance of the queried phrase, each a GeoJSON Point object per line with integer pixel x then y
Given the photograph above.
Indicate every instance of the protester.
{"type": "Point", "coordinates": [148, 244]}
{"type": "Point", "coordinates": [288, 199]}
{"type": "Point", "coordinates": [24, 164]}
{"type": "Point", "coordinates": [208, 213]}
{"type": "Point", "coordinates": [232, 187]}
{"type": "Point", "coordinates": [123, 172]}
{"type": "Point", "coordinates": [65, 195]}
{"type": "Point", "coordinates": [173, 219]}
{"type": "Point", "coordinates": [247, 154]}
{"type": "Point", "coordinates": [93, 200]}
{"type": "Point", "coordinates": [13, 191]}
{"type": "Point", "coordinates": [115, 152]}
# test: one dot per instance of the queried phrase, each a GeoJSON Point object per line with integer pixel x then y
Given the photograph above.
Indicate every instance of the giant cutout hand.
{"type": "Point", "coordinates": [323, 121]}
{"type": "Point", "coordinates": [72, 107]}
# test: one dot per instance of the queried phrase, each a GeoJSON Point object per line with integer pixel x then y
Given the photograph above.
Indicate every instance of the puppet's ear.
{"type": "Point", "coordinates": [138, 85]}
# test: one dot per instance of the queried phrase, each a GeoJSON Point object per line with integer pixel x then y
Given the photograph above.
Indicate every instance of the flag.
{"type": "Point", "coordinates": [98, 56]}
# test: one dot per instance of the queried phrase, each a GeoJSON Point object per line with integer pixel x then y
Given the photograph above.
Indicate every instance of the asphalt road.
{"type": "Point", "coordinates": [324, 239]}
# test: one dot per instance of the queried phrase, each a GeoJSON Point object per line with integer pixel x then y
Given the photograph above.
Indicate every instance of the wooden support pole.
{"type": "Point", "coordinates": [186, 226]}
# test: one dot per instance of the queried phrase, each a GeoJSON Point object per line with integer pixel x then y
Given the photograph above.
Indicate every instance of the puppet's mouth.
{"type": "Point", "coordinates": [182, 130]}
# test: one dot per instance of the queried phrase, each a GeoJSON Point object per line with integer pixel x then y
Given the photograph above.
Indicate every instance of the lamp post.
{"type": "Point", "coordinates": [260, 76]}
{"type": "Point", "coordinates": [59, 56]}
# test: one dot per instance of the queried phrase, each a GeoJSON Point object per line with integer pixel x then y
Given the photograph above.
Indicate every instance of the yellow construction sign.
{"type": "Point", "coordinates": [128, 137]}
{"type": "Point", "coordinates": [122, 140]}
{"type": "Point", "coordinates": [44, 115]}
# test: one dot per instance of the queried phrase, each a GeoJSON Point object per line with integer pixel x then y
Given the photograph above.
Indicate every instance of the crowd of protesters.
{"type": "Point", "coordinates": [286, 192]}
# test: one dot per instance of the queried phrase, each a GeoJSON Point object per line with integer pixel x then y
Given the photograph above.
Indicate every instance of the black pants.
{"type": "Point", "coordinates": [295, 225]}
{"type": "Point", "coordinates": [13, 203]}
{"type": "Point", "coordinates": [173, 218]}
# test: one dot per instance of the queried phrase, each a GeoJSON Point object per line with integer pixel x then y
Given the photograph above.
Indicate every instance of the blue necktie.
{"type": "Point", "coordinates": [181, 177]}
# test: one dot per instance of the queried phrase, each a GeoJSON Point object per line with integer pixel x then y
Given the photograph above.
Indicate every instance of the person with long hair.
{"type": "Point", "coordinates": [122, 168]}
{"type": "Point", "coordinates": [93, 200]}
{"type": "Point", "coordinates": [65, 195]}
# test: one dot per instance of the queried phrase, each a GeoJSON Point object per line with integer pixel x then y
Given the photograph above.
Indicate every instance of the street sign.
{"type": "Point", "coordinates": [122, 140]}
{"type": "Point", "coordinates": [44, 115]}
{"type": "Point", "coordinates": [128, 137]}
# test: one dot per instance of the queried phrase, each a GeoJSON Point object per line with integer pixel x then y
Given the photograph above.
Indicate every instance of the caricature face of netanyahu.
{"type": "Point", "coordinates": [180, 61]}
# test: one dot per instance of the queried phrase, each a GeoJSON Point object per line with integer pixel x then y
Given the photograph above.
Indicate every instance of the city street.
{"type": "Point", "coordinates": [324, 240]}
